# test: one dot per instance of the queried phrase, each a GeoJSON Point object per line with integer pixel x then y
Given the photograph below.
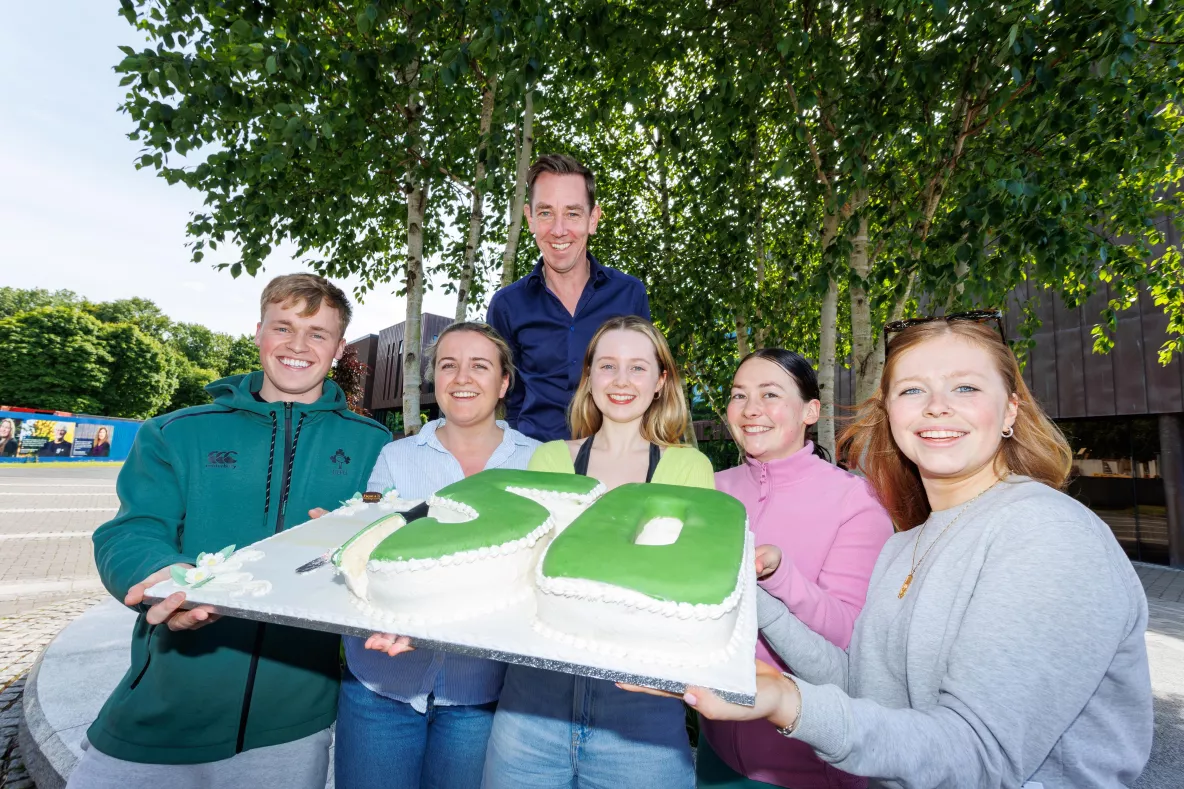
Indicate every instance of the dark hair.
{"type": "Point", "coordinates": [798, 368]}
{"type": "Point", "coordinates": [560, 164]}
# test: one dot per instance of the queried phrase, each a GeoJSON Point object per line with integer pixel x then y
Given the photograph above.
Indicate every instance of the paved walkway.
{"type": "Point", "coordinates": [47, 575]}
{"type": "Point", "coordinates": [47, 516]}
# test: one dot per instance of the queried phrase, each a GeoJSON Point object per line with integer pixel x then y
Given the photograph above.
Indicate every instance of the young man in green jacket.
{"type": "Point", "coordinates": [231, 702]}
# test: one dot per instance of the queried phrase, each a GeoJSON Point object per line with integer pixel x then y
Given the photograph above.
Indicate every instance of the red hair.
{"type": "Point", "coordinates": [1037, 449]}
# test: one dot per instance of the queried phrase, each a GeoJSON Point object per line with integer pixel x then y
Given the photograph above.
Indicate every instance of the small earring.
{"type": "Point", "coordinates": [1008, 432]}
{"type": "Point", "coordinates": [657, 393]}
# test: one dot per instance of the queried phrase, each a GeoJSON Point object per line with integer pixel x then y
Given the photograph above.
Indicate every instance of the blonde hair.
{"type": "Point", "coordinates": [667, 420]}
{"type": "Point", "coordinates": [1037, 449]}
{"type": "Point", "coordinates": [11, 427]}
{"type": "Point", "coordinates": [289, 289]}
{"type": "Point", "coordinates": [505, 356]}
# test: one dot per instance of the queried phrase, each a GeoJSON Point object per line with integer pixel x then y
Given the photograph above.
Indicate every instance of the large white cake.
{"type": "Point", "coordinates": [653, 572]}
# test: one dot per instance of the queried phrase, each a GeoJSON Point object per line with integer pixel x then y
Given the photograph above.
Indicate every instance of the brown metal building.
{"type": "Point", "coordinates": [384, 356]}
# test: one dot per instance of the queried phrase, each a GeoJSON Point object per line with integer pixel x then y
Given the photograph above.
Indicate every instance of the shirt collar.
{"type": "Point", "coordinates": [597, 273]}
{"type": "Point", "coordinates": [510, 440]}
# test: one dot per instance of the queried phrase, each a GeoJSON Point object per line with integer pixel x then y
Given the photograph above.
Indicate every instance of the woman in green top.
{"type": "Point", "coordinates": [628, 420]}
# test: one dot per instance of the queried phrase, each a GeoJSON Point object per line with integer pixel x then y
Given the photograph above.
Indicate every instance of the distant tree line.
{"type": "Point", "coordinates": [123, 358]}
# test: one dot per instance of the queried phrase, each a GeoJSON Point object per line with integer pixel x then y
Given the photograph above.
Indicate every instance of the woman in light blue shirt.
{"type": "Point", "coordinates": [422, 718]}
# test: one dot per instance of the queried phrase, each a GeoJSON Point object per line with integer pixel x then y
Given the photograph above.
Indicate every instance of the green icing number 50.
{"type": "Point", "coordinates": [502, 516]}
{"type": "Point", "coordinates": [700, 566]}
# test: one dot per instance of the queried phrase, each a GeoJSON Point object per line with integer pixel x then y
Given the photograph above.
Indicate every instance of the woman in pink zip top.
{"type": "Point", "coordinates": [818, 530]}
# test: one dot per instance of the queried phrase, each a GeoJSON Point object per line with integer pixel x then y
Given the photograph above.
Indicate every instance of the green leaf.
{"type": "Point", "coordinates": [225, 552]}
{"type": "Point", "coordinates": [241, 28]}
{"type": "Point", "coordinates": [363, 22]}
{"type": "Point", "coordinates": [178, 574]}
{"type": "Point", "coordinates": [271, 65]}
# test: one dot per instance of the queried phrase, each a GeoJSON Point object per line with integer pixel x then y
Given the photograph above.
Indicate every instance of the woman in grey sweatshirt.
{"type": "Point", "coordinates": [1001, 644]}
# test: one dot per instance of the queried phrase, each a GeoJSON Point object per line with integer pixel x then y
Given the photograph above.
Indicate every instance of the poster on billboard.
{"type": "Point", "coordinates": [46, 438]}
{"type": "Point", "coordinates": [93, 440]}
{"type": "Point", "coordinates": [10, 431]}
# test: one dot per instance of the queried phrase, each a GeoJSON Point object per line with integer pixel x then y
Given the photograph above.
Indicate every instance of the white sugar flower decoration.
{"type": "Point", "coordinates": [210, 560]}
{"type": "Point", "coordinates": [198, 575]}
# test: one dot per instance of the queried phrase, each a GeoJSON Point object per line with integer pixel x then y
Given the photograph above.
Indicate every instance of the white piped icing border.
{"type": "Point", "coordinates": [396, 619]}
{"type": "Point", "coordinates": [607, 593]}
{"type": "Point", "coordinates": [713, 657]}
{"type": "Point", "coordinates": [578, 498]}
{"type": "Point", "coordinates": [505, 549]}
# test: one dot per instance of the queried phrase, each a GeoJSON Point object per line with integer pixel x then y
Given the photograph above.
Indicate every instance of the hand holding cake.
{"type": "Point", "coordinates": [167, 611]}
{"type": "Point", "coordinates": [768, 559]}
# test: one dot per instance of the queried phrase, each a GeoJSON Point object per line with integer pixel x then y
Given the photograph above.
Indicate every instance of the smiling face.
{"type": "Point", "coordinates": [61, 433]}
{"type": "Point", "coordinates": [947, 407]}
{"type": "Point", "coordinates": [766, 412]}
{"type": "Point", "coordinates": [296, 352]}
{"type": "Point", "coordinates": [101, 436]}
{"type": "Point", "coordinates": [625, 375]}
{"type": "Point", "coordinates": [469, 378]}
{"type": "Point", "coordinates": [561, 220]}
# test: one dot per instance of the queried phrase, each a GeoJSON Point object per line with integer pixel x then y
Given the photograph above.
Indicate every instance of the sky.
{"type": "Point", "coordinates": [74, 211]}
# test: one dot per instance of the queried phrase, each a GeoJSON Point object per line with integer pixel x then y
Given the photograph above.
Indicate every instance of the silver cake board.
{"type": "Point", "coordinates": [319, 600]}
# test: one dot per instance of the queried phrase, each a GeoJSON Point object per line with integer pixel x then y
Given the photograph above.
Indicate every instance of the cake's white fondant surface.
{"type": "Point", "coordinates": [659, 531]}
{"type": "Point", "coordinates": [320, 600]}
{"type": "Point", "coordinates": [600, 616]}
{"type": "Point", "coordinates": [452, 589]}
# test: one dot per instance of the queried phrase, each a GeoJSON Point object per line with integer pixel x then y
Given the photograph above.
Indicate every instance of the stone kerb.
{"type": "Point", "coordinates": [67, 687]}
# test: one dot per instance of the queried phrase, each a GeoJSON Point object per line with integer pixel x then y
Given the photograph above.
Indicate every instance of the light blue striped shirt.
{"type": "Point", "coordinates": [418, 466]}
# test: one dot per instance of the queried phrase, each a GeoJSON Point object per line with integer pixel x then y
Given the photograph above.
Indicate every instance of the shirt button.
{"type": "Point", "coordinates": [573, 328]}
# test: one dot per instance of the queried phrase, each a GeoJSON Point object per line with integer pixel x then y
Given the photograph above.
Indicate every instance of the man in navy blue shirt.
{"type": "Point", "coordinates": [549, 316]}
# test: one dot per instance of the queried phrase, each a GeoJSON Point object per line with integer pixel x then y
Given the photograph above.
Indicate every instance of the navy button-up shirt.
{"type": "Point", "coordinates": [549, 342]}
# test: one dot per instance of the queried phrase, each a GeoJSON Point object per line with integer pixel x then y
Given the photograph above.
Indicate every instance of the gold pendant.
{"type": "Point", "coordinates": [905, 586]}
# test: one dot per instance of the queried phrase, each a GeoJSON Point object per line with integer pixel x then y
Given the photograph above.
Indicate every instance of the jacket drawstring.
{"type": "Point", "coordinates": [270, 467]}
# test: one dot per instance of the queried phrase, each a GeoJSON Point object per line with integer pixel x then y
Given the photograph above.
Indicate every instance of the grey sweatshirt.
{"type": "Point", "coordinates": [1016, 658]}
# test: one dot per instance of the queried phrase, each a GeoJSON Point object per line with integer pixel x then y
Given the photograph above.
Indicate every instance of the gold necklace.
{"type": "Point", "coordinates": [916, 564]}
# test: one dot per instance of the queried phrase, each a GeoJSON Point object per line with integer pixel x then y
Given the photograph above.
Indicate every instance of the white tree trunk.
{"type": "Point", "coordinates": [863, 342]}
{"type": "Point", "coordinates": [417, 200]}
{"type": "Point", "coordinates": [741, 332]}
{"type": "Point", "coordinates": [826, 366]}
{"type": "Point", "coordinates": [828, 342]}
{"type": "Point", "coordinates": [516, 207]}
{"type": "Point", "coordinates": [476, 208]}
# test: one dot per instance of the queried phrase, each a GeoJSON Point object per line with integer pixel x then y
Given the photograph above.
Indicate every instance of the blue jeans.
{"type": "Point", "coordinates": [556, 730]}
{"type": "Point", "coordinates": [384, 743]}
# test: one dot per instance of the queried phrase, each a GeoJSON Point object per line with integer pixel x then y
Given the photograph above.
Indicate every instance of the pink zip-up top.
{"type": "Point", "coordinates": [830, 529]}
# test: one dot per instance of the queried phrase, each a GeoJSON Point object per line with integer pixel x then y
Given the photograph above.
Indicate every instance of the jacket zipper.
{"type": "Point", "coordinates": [259, 629]}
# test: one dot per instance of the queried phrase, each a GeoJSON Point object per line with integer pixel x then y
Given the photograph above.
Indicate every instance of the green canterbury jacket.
{"type": "Point", "coordinates": [200, 479]}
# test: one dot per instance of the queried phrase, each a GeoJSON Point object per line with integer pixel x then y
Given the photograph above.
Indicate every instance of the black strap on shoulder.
{"type": "Point", "coordinates": [581, 461]}
{"type": "Point", "coordinates": [582, 456]}
{"type": "Point", "coordinates": [655, 457]}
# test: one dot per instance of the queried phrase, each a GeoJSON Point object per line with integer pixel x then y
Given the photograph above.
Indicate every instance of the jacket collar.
{"type": "Point", "coordinates": [237, 392]}
{"type": "Point", "coordinates": [784, 470]}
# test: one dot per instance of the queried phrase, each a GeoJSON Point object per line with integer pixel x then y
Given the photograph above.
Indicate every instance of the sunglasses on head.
{"type": "Point", "coordinates": [974, 316]}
